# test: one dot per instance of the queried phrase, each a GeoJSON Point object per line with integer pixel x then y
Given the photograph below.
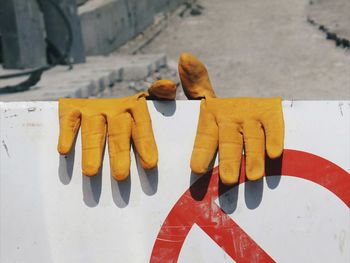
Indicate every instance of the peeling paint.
{"type": "Point", "coordinates": [11, 116]}
{"type": "Point", "coordinates": [341, 240]}
{"type": "Point", "coordinates": [6, 149]}
{"type": "Point", "coordinates": [31, 109]}
{"type": "Point", "coordinates": [168, 240]}
{"type": "Point", "coordinates": [341, 108]}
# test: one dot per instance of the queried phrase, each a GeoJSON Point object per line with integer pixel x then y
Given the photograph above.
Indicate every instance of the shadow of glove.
{"type": "Point", "coordinates": [121, 118]}
{"type": "Point", "coordinates": [230, 123]}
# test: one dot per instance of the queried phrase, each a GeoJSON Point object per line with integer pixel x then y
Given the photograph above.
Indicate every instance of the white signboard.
{"type": "Point", "coordinates": [299, 212]}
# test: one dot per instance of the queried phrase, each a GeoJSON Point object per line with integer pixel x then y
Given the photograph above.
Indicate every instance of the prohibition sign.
{"type": "Point", "coordinates": [188, 210]}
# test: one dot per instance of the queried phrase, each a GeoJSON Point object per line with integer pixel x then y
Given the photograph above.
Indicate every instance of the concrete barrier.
{"type": "Point", "coordinates": [105, 26]}
{"type": "Point", "coordinates": [108, 24]}
{"type": "Point", "coordinates": [166, 5]}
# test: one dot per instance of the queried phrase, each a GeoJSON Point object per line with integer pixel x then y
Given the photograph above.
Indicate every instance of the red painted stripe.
{"type": "Point", "coordinates": [197, 206]}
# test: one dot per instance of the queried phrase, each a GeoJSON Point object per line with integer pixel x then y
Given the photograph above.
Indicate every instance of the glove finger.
{"type": "Point", "coordinates": [69, 126]}
{"type": "Point", "coordinates": [254, 148]}
{"type": "Point", "coordinates": [93, 134]}
{"type": "Point", "coordinates": [163, 89]}
{"type": "Point", "coordinates": [142, 135]}
{"type": "Point", "coordinates": [230, 152]}
{"type": "Point", "coordinates": [273, 124]}
{"type": "Point", "coordinates": [119, 134]}
{"type": "Point", "coordinates": [206, 141]}
{"type": "Point", "coordinates": [194, 77]}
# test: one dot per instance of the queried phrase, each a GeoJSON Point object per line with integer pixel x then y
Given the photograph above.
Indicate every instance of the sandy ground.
{"type": "Point", "coordinates": [260, 48]}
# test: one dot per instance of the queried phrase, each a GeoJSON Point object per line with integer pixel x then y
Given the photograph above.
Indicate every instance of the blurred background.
{"type": "Point", "coordinates": [296, 49]}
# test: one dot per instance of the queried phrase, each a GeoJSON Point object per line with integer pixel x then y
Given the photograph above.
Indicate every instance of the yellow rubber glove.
{"type": "Point", "coordinates": [231, 122]}
{"type": "Point", "coordinates": [122, 119]}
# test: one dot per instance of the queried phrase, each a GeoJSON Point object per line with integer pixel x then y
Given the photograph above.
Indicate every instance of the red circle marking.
{"type": "Point", "coordinates": [188, 210]}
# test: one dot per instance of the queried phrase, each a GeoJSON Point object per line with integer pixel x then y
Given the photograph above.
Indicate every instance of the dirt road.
{"type": "Point", "coordinates": [260, 48]}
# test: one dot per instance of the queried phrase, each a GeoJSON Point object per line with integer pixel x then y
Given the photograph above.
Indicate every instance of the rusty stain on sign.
{"type": "Point", "coordinates": [32, 124]}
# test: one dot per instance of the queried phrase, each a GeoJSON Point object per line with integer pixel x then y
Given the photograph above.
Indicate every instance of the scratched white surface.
{"type": "Point", "coordinates": [46, 215]}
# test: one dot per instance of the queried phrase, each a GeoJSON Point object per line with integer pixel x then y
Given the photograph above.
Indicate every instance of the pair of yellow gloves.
{"type": "Point", "coordinates": [229, 124]}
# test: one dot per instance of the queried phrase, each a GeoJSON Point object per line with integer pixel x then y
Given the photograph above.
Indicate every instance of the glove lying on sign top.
{"type": "Point", "coordinates": [121, 118]}
{"type": "Point", "coordinates": [230, 123]}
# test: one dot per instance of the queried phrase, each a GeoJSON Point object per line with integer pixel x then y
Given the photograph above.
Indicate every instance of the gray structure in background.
{"type": "Point", "coordinates": [107, 24]}
{"type": "Point", "coordinates": [161, 5]}
{"type": "Point", "coordinates": [57, 32]}
{"type": "Point", "coordinates": [22, 34]}
{"type": "Point", "coordinates": [99, 27]}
